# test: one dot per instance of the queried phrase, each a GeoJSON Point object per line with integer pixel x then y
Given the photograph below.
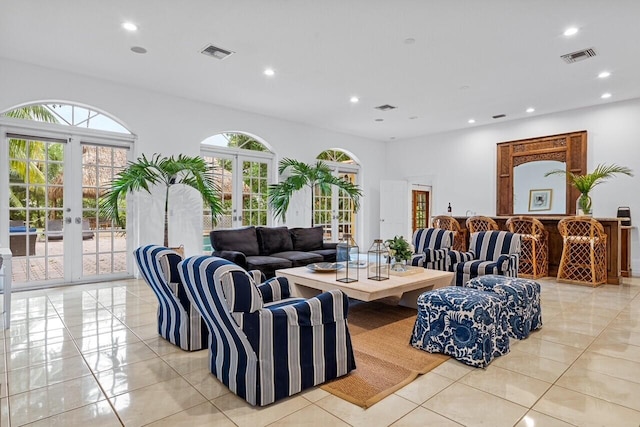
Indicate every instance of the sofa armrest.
{"type": "Point", "coordinates": [235, 257]}
{"type": "Point", "coordinates": [329, 245]}
{"type": "Point", "coordinates": [455, 257]}
{"type": "Point", "coordinates": [274, 289]}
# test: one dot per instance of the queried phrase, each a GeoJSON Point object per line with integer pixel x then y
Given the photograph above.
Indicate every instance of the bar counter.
{"type": "Point", "coordinates": [616, 235]}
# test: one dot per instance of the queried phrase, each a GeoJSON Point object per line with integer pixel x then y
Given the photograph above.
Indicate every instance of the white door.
{"type": "Point", "coordinates": [394, 209]}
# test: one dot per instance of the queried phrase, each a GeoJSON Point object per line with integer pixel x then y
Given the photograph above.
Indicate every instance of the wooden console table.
{"type": "Point", "coordinates": [618, 236]}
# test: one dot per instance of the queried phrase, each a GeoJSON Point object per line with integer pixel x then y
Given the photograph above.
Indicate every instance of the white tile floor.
{"type": "Point", "coordinates": [90, 355]}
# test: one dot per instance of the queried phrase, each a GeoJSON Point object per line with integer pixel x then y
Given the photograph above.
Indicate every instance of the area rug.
{"type": "Point", "coordinates": [385, 361]}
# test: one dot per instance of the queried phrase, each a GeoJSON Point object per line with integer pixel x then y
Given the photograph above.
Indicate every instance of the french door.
{"type": "Point", "coordinates": [243, 180]}
{"type": "Point", "coordinates": [334, 211]}
{"type": "Point", "coordinates": [53, 183]}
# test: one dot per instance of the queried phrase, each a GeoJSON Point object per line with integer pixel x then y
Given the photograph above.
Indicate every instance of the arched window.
{"type": "Point", "coordinates": [335, 211]}
{"type": "Point", "coordinates": [242, 165]}
{"type": "Point", "coordinates": [67, 115]}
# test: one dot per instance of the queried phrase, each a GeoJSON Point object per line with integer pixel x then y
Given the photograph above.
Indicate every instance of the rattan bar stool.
{"type": "Point", "coordinates": [447, 222]}
{"type": "Point", "coordinates": [534, 252]}
{"type": "Point", "coordinates": [584, 251]}
{"type": "Point", "coordinates": [481, 223]}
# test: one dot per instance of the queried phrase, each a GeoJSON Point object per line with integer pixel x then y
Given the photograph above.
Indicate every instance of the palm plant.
{"type": "Point", "coordinates": [585, 183]}
{"type": "Point", "coordinates": [20, 149]}
{"type": "Point", "coordinates": [318, 175]}
{"type": "Point", "coordinates": [168, 171]}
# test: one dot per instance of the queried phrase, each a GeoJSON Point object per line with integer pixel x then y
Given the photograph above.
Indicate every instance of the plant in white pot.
{"type": "Point", "coordinates": [144, 173]}
{"type": "Point", "coordinates": [585, 183]}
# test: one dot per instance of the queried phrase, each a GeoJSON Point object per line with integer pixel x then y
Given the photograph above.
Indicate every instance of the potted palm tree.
{"type": "Point", "coordinates": [303, 175]}
{"type": "Point", "coordinates": [585, 183]}
{"type": "Point", "coordinates": [144, 173]}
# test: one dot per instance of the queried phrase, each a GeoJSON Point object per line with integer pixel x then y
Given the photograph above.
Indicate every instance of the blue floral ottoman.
{"type": "Point", "coordinates": [465, 323]}
{"type": "Point", "coordinates": [522, 300]}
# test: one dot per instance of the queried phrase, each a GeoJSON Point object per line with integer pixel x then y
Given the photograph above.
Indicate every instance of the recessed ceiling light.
{"type": "Point", "coordinates": [471, 121]}
{"type": "Point", "coordinates": [354, 99]}
{"type": "Point", "coordinates": [604, 75]}
{"type": "Point", "coordinates": [129, 26]}
{"type": "Point", "coordinates": [571, 31]}
{"type": "Point", "coordinates": [269, 72]}
{"type": "Point", "coordinates": [138, 49]}
{"type": "Point", "coordinates": [605, 95]}
{"type": "Point", "coordinates": [530, 110]}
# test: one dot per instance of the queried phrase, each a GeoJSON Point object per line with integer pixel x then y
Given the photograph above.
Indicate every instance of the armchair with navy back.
{"type": "Point", "coordinates": [490, 252]}
{"type": "Point", "coordinates": [431, 247]}
{"type": "Point", "coordinates": [178, 321]}
{"type": "Point", "coordinates": [266, 345]}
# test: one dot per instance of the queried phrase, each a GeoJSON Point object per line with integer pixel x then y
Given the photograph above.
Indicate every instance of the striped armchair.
{"type": "Point", "coordinates": [431, 247]}
{"type": "Point", "coordinates": [178, 321]}
{"type": "Point", "coordinates": [490, 252]}
{"type": "Point", "coordinates": [266, 345]}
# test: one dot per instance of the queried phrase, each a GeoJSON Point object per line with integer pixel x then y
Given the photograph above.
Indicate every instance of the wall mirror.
{"type": "Point", "coordinates": [523, 189]}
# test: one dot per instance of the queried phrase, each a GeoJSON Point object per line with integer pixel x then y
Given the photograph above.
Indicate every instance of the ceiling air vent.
{"type": "Point", "coordinates": [385, 107]}
{"type": "Point", "coordinates": [580, 55]}
{"type": "Point", "coordinates": [499, 116]}
{"type": "Point", "coordinates": [216, 52]}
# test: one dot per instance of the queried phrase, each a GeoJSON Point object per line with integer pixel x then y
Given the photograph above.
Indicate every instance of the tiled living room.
{"type": "Point", "coordinates": [430, 109]}
{"type": "Point", "coordinates": [90, 354]}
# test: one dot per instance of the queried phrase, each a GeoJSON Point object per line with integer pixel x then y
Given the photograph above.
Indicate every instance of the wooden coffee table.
{"type": "Point", "coordinates": [305, 283]}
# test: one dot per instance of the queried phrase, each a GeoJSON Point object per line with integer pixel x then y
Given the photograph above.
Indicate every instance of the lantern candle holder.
{"type": "Point", "coordinates": [345, 250]}
{"type": "Point", "coordinates": [378, 257]}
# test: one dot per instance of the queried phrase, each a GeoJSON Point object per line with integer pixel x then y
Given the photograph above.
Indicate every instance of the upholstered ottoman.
{"type": "Point", "coordinates": [465, 323]}
{"type": "Point", "coordinates": [521, 298]}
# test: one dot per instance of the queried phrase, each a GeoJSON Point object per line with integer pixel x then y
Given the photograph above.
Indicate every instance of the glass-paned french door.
{"type": "Point", "coordinates": [334, 211]}
{"type": "Point", "coordinates": [56, 233]}
{"type": "Point", "coordinates": [243, 181]}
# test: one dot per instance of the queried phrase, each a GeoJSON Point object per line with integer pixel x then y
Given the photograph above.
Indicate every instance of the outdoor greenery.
{"type": "Point", "coordinates": [585, 183]}
{"type": "Point", "coordinates": [29, 169]}
{"type": "Point", "coordinates": [399, 248]}
{"type": "Point", "coordinates": [316, 176]}
{"type": "Point", "coordinates": [166, 171]}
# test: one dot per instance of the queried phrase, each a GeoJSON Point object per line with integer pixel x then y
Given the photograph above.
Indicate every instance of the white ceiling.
{"type": "Point", "coordinates": [470, 59]}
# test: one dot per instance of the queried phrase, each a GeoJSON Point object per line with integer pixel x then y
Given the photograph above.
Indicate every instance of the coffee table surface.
{"type": "Point", "coordinates": [306, 283]}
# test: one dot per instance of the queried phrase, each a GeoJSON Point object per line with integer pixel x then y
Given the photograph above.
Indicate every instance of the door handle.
{"type": "Point", "coordinates": [78, 220]}
{"type": "Point", "coordinates": [67, 220]}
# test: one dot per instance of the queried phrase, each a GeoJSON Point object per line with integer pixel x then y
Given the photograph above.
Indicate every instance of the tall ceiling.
{"type": "Point", "coordinates": [440, 62]}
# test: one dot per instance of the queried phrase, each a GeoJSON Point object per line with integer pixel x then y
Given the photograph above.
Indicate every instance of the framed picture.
{"type": "Point", "coordinates": [540, 200]}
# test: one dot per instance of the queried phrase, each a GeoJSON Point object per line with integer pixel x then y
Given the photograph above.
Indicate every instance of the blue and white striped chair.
{"type": "Point", "coordinates": [431, 248]}
{"type": "Point", "coordinates": [490, 252]}
{"type": "Point", "coordinates": [178, 321]}
{"type": "Point", "coordinates": [264, 344]}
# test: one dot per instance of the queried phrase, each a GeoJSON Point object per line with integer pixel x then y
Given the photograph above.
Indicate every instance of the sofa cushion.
{"type": "Point", "coordinates": [306, 239]}
{"type": "Point", "coordinates": [298, 258]}
{"type": "Point", "coordinates": [273, 239]}
{"type": "Point", "coordinates": [242, 240]}
{"type": "Point", "coordinates": [267, 264]}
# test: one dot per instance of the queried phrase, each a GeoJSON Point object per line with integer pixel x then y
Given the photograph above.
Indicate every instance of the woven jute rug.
{"type": "Point", "coordinates": [385, 361]}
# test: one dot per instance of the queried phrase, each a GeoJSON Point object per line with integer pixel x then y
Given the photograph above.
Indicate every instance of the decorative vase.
{"type": "Point", "coordinates": [399, 265]}
{"type": "Point", "coordinates": [583, 205]}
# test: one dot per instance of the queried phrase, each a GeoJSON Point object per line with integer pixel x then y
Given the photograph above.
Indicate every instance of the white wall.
{"type": "Point", "coordinates": [463, 163]}
{"type": "Point", "coordinates": [172, 125]}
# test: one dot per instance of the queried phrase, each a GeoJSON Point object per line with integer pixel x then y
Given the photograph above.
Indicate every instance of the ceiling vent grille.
{"type": "Point", "coordinates": [385, 107]}
{"type": "Point", "coordinates": [499, 116]}
{"type": "Point", "coordinates": [580, 55]}
{"type": "Point", "coordinates": [216, 52]}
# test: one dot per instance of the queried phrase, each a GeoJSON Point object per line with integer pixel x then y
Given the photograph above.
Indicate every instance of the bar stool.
{"type": "Point", "coordinates": [534, 252]}
{"type": "Point", "coordinates": [447, 222]}
{"type": "Point", "coordinates": [584, 251]}
{"type": "Point", "coordinates": [481, 223]}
